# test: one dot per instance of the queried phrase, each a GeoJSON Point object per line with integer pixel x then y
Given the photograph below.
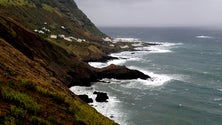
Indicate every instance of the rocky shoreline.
{"type": "Point", "coordinates": [50, 54]}
{"type": "Point", "coordinates": [101, 100]}
{"type": "Point", "coordinates": [120, 72]}
{"type": "Point", "coordinates": [114, 72]}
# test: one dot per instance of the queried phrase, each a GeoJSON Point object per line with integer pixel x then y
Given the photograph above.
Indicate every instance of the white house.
{"type": "Point", "coordinates": [41, 32]}
{"type": "Point", "coordinates": [45, 29]}
{"type": "Point", "coordinates": [63, 27]}
{"type": "Point", "coordinates": [107, 39]}
{"type": "Point", "coordinates": [68, 39]}
{"type": "Point", "coordinates": [62, 36]}
{"type": "Point", "coordinates": [124, 47]}
{"type": "Point", "coordinates": [53, 36]}
{"type": "Point", "coordinates": [79, 40]}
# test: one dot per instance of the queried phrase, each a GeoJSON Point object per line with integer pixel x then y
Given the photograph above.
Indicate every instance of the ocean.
{"type": "Point", "coordinates": [186, 85]}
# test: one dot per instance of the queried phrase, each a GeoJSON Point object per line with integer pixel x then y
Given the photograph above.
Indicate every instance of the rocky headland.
{"type": "Point", "coordinates": [120, 72]}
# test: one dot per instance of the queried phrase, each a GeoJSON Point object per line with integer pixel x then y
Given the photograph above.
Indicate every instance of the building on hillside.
{"type": "Point", "coordinates": [53, 36]}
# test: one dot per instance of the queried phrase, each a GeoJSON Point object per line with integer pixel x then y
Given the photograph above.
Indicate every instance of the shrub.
{"type": "Point", "coordinates": [58, 98]}
{"type": "Point", "coordinates": [27, 84]}
{"type": "Point", "coordinates": [22, 99]}
{"type": "Point", "coordinates": [38, 121]}
{"type": "Point", "coordinates": [17, 112]}
{"type": "Point", "coordinates": [9, 121]}
{"type": "Point", "coordinates": [71, 109]}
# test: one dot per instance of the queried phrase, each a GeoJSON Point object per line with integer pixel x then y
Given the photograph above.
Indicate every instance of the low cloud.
{"type": "Point", "coordinates": [153, 12]}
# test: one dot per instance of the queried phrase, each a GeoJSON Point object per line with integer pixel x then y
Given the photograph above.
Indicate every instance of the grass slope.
{"type": "Point", "coordinates": [57, 13]}
{"type": "Point", "coordinates": [60, 17]}
{"type": "Point", "coordinates": [31, 91]}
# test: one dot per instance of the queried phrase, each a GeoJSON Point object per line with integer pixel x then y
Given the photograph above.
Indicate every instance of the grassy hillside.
{"type": "Point", "coordinates": [44, 45]}
{"type": "Point", "coordinates": [57, 13]}
{"type": "Point", "coordinates": [34, 75]}
{"type": "Point", "coordinates": [58, 18]}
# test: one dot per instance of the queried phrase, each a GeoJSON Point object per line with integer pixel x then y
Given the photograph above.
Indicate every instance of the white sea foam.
{"type": "Point", "coordinates": [109, 109]}
{"type": "Point", "coordinates": [159, 49]}
{"type": "Point", "coordinates": [97, 64]}
{"type": "Point", "coordinates": [219, 90]}
{"type": "Point", "coordinates": [130, 55]}
{"type": "Point", "coordinates": [156, 79]}
{"type": "Point", "coordinates": [170, 44]}
{"type": "Point", "coordinates": [117, 61]}
{"type": "Point", "coordinates": [101, 65]}
{"type": "Point", "coordinates": [204, 37]}
{"type": "Point", "coordinates": [123, 55]}
{"type": "Point", "coordinates": [123, 58]}
{"type": "Point", "coordinates": [163, 47]}
{"type": "Point", "coordinates": [126, 40]}
{"type": "Point", "coordinates": [217, 99]}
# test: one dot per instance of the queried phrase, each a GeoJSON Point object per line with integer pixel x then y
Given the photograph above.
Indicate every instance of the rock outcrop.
{"type": "Point", "coordinates": [120, 72]}
{"type": "Point", "coordinates": [101, 96]}
{"type": "Point", "coordinates": [86, 98]}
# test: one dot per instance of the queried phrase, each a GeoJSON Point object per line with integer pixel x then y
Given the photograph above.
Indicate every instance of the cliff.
{"type": "Point", "coordinates": [44, 47]}
{"type": "Point", "coordinates": [35, 71]}
{"type": "Point", "coordinates": [57, 13]}
{"type": "Point", "coordinates": [33, 81]}
{"type": "Point", "coordinates": [60, 18]}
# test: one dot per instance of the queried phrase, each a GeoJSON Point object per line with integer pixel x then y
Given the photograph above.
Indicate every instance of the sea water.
{"type": "Point", "coordinates": [186, 84]}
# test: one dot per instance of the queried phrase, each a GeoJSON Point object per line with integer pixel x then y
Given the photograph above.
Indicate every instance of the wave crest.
{"type": "Point", "coordinates": [204, 37]}
{"type": "Point", "coordinates": [161, 47]}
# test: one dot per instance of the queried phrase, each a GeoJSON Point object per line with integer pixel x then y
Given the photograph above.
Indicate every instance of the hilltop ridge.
{"type": "Point", "coordinates": [57, 13]}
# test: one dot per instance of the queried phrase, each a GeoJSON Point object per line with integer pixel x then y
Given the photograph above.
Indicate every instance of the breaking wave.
{"type": "Point", "coordinates": [108, 109]}
{"type": "Point", "coordinates": [204, 37]}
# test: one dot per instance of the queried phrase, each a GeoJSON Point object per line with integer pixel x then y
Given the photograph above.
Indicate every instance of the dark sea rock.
{"type": "Point", "coordinates": [101, 96]}
{"type": "Point", "coordinates": [102, 59]}
{"type": "Point", "coordinates": [120, 72]}
{"type": "Point", "coordinates": [85, 98]}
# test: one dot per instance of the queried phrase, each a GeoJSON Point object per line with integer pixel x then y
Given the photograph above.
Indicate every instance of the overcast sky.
{"type": "Point", "coordinates": [153, 12]}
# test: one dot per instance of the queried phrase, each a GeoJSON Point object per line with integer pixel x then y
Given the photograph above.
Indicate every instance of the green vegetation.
{"type": "Point", "coordinates": [56, 97]}
{"type": "Point", "coordinates": [20, 98]}
{"type": "Point", "coordinates": [35, 70]}
{"type": "Point", "coordinates": [56, 14]}
{"type": "Point", "coordinates": [24, 107]}
{"type": "Point", "coordinates": [51, 9]}
{"type": "Point", "coordinates": [33, 13]}
{"type": "Point", "coordinates": [17, 112]}
{"type": "Point", "coordinates": [39, 121]}
{"type": "Point", "coordinates": [17, 2]}
{"type": "Point", "coordinates": [8, 121]}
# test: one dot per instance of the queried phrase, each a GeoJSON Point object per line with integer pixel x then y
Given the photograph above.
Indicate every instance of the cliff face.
{"type": "Point", "coordinates": [36, 70]}
{"type": "Point", "coordinates": [65, 66]}
{"type": "Point", "coordinates": [34, 75]}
